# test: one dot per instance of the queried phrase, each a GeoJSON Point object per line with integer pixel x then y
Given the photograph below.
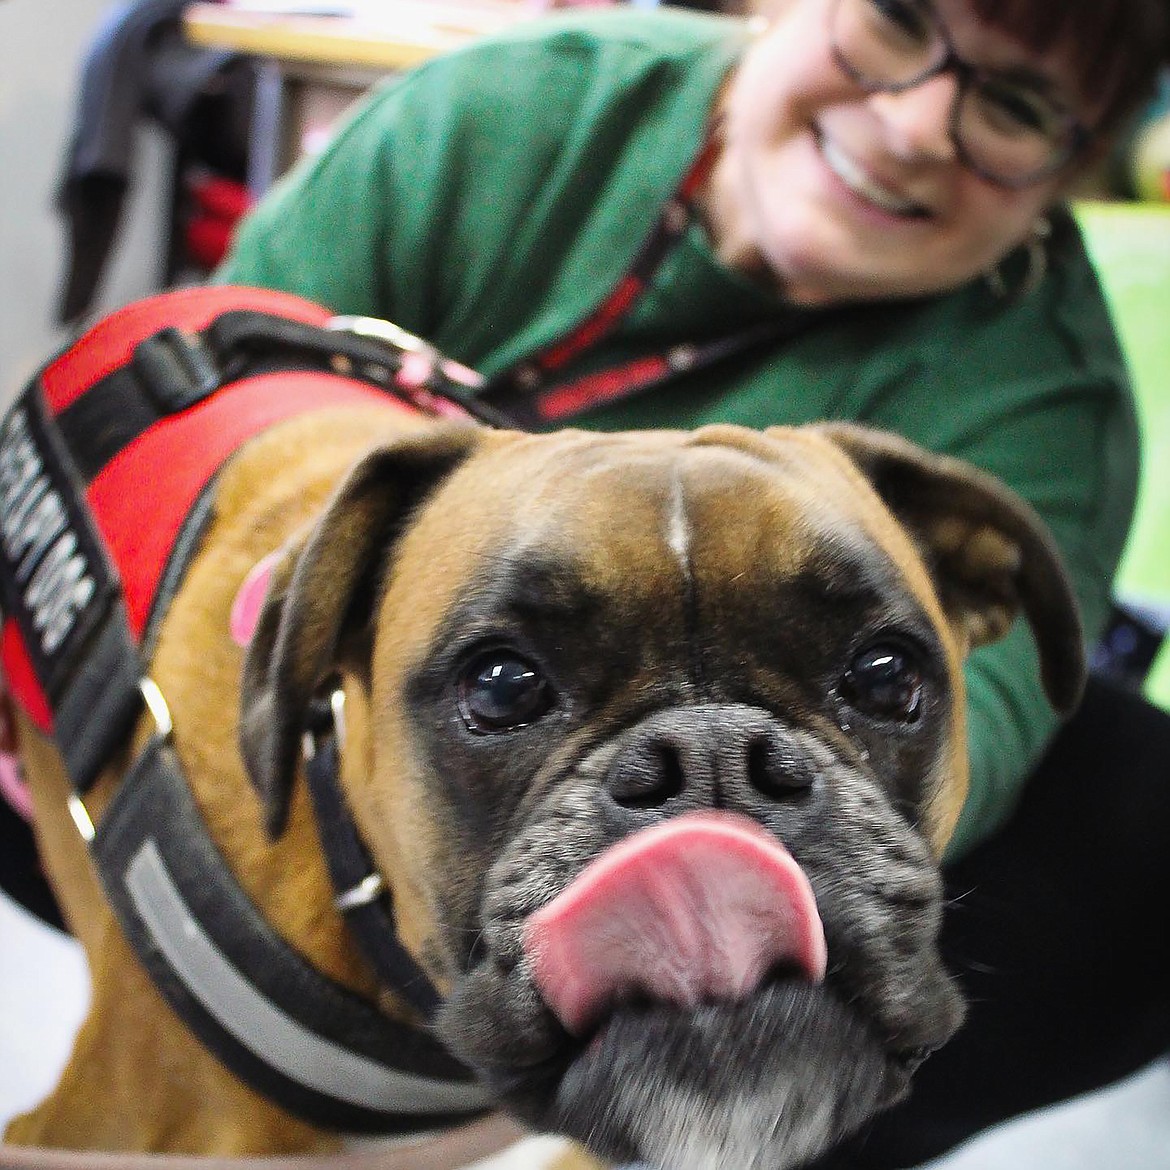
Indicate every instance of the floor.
{"type": "Point", "coordinates": [43, 988]}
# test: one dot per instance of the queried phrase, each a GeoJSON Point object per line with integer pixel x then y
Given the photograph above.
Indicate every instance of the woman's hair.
{"type": "Point", "coordinates": [1118, 46]}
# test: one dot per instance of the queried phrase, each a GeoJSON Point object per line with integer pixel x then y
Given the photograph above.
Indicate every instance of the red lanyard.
{"type": "Point", "coordinates": [529, 393]}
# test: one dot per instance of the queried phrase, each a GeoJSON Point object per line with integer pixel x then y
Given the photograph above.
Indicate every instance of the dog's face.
{"type": "Point", "coordinates": [666, 738]}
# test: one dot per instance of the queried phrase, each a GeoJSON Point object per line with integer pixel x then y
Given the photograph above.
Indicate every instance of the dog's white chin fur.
{"type": "Point", "coordinates": [765, 1084]}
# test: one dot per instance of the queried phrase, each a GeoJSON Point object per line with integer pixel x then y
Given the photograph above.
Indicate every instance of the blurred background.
{"type": "Point", "coordinates": [42, 46]}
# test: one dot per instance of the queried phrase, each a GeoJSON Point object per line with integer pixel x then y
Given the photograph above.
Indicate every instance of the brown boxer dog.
{"type": "Point", "coordinates": [655, 738]}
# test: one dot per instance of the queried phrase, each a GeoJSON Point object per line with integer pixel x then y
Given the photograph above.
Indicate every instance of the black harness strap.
{"type": "Point", "coordinates": [173, 370]}
{"type": "Point", "coordinates": [308, 1043]}
{"type": "Point", "coordinates": [60, 587]}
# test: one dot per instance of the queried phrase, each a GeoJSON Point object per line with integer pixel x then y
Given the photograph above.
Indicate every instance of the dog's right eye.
{"type": "Point", "coordinates": [500, 691]}
{"type": "Point", "coordinates": [885, 680]}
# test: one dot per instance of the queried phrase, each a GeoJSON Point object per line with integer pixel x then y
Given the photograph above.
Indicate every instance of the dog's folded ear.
{"type": "Point", "coordinates": [320, 601]}
{"type": "Point", "coordinates": [990, 554]}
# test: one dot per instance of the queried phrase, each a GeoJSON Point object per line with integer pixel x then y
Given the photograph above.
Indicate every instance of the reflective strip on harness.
{"type": "Point", "coordinates": [262, 1027]}
{"type": "Point", "coordinates": [324, 1053]}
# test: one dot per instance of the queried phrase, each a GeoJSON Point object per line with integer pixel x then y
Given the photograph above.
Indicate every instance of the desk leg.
{"type": "Point", "coordinates": [268, 136]}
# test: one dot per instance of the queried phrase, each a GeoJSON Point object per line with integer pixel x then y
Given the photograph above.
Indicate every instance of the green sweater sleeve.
{"type": "Point", "coordinates": [465, 200]}
{"type": "Point", "coordinates": [319, 233]}
{"type": "Point", "coordinates": [415, 209]}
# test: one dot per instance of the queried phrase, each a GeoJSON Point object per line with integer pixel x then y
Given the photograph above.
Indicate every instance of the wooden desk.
{"type": "Point", "coordinates": [312, 68]}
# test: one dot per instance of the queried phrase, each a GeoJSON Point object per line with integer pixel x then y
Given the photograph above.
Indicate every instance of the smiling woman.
{"type": "Point", "coordinates": [839, 209]}
{"type": "Point", "coordinates": [914, 143]}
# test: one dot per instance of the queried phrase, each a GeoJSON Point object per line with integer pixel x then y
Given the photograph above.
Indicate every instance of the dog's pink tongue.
{"type": "Point", "coordinates": [697, 908]}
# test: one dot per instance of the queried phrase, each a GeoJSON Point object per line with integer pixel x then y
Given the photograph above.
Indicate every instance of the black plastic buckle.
{"type": "Point", "coordinates": [176, 369]}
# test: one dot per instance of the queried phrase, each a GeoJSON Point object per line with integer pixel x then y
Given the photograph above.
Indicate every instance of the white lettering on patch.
{"type": "Point", "coordinates": [47, 560]}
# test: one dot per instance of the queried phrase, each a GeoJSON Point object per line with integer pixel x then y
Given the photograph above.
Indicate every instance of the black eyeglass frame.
{"type": "Point", "coordinates": [966, 74]}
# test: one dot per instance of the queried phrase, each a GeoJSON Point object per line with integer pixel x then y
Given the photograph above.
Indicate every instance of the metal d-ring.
{"type": "Point", "coordinates": [152, 696]}
{"type": "Point", "coordinates": [81, 818]}
{"type": "Point", "coordinates": [368, 890]}
{"type": "Point", "coordinates": [336, 722]}
{"type": "Point", "coordinates": [384, 331]}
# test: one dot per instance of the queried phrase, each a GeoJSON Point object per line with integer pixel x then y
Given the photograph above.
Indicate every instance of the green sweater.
{"type": "Point", "coordinates": [488, 200]}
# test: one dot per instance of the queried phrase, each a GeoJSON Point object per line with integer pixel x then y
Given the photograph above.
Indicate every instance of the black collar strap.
{"type": "Point", "coordinates": [361, 894]}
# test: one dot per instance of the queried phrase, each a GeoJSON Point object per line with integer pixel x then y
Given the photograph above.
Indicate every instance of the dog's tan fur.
{"type": "Point", "coordinates": [118, 1091]}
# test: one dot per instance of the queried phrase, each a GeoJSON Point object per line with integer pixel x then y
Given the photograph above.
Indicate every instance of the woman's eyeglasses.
{"type": "Point", "coordinates": [1006, 125]}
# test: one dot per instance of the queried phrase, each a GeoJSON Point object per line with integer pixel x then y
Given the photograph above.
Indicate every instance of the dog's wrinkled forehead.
{"type": "Point", "coordinates": [664, 523]}
{"type": "Point", "coordinates": [704, 510]}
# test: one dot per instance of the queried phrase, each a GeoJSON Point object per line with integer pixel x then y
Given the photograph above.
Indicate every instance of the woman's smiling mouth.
{"type": "Point", "coordinates": [864, 185]}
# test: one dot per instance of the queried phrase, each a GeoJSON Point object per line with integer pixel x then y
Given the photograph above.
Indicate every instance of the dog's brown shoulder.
{"type": "Point", "coordinates": [271, 492]}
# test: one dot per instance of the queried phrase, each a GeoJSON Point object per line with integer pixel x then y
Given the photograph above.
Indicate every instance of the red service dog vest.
{"type": "Point", "coordinates": [106, 461]}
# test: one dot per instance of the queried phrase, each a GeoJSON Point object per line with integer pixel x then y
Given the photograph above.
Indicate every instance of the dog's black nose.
{"type": "Point", "coordinates": [708, 756]}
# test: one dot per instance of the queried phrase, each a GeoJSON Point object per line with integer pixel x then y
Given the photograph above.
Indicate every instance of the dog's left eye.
{"type": "Point", "coordinates": [500, 691]}
{"type": "Point", "coordinates": [885, 680]}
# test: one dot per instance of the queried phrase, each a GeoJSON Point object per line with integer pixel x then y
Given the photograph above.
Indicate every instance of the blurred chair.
{"type": "Point", "coordinates": [140, 69]}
